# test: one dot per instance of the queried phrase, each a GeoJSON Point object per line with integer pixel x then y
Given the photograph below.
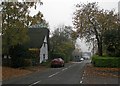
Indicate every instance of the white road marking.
{"type": "Point", "coordinates": [58, 72]}
{"type": "Point", "coordinates": [83, 74]}
{"type": "Point", "coordinates": [69, 66]}
{"type": "Point", "coordinates": [53, 74]}
{"type": "Point", "coordinates": [82, 77]}
{"type": "Point", "coordinates": [77, 62]}
{"type": "Point", "coordinates": [64, 69]}
{"type": "Point", "coordinates": [35, 83]}
{"type": "Point", "coordinates": [81, 82]}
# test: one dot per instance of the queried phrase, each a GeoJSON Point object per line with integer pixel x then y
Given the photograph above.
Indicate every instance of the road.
{"type": "Point", "coordinates": [70, 74]}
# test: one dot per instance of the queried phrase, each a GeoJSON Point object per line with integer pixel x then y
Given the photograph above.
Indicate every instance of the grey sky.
{"type": "Point", "coordinates": [58, 12]}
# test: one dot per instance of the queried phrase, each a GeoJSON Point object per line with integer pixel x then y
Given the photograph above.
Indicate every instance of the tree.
{"type": "Point", "coordinates": [61, 42]}
{"type": "Point", "coordinates": [90, 21]}
{"type": "Point", "coordinates": [15, 22]}
{"type": "Point", "coordinates": [111, 42]}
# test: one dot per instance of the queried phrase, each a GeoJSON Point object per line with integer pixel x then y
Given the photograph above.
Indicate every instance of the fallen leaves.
{"type": "Point", "coordinates": [91, 71]}
{"type": "Point", "coordinates": [8, 73]}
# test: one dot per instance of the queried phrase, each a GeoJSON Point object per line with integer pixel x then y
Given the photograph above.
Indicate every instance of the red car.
{"type": "Point", "coordinates": [57, 62]}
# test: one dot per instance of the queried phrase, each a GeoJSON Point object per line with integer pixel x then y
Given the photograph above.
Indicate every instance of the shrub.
{"type": "Point", "coordinates": [27, 62]}
{"type": "Point", "coordinates": [46, 64]}
{"type": "Point", "coordinates": [60, 55]}
{"type": "Point", "coordinates": [18, 53]}
{"type": "Point", "coordinates": [17, 62]}
{"type": "Point", "coordinates": [34, 55]}
{"type": "Point", "coordinates": [105, 61]}
{"type": "Point", "coordinates": [57, 55]}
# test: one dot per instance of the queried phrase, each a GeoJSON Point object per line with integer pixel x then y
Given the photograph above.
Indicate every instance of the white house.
{"type": "Point", "coordinates": [39, 40]}
{"type": "Point", "coordinates": [44, 51]}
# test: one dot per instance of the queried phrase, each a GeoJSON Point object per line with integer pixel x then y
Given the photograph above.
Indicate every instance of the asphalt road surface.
{"type": "Point", "coordinates": [70, 74]}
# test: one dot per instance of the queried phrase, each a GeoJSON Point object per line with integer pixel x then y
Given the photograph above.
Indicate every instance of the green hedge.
{"type": "Point", "coordinates": [57, 55]}
{"type": "Point", "coordinates": [60, 55]}
{"type": "Point", "coordinates": [106, 61]}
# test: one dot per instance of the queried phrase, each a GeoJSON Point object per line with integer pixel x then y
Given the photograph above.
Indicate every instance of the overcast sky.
{"type": "Point", "coordinates": [58, 12]}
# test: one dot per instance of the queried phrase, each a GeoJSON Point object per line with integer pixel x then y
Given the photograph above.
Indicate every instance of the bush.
{"type": "Point", "coordinates": [57, 55]}
{"type": "Point", "coordinates": [105, 61]}
{"type": "Point", "coordinates": [17, 62]}
{"type": "Point", "coordinates": [60, 55]}
{"type": "Point", "coordinates": [27, 62]}
{"type": "Point", "coordinates": [18, 53]}
{"type": "Point", "coordinates": [46, 64]}
{"type": "Point", "coordinates": [34, 55]}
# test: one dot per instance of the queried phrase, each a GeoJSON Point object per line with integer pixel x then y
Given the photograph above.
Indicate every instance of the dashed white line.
{"type": "Point", "coordinates": [83, 74]}
{"type": "Point", "coordinates": [64, 69]}
{"type": "Point", "coordinates": [53, 74]}
{"type": "Point", "coordinates": [81, 82]}
{"type": "Point", "coordinates": [35, 83]}
{"type": "Point", "coordinates": [82, 77]}
{"type": "Point", "coordinates": [58, 72]}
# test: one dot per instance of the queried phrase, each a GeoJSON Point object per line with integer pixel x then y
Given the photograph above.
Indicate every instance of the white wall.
{"type": "Point", "coordinates": [44, 51]}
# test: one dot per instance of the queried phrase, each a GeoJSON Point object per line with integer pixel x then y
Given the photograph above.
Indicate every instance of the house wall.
{"type": "Point", "coordinates": [44, 51]}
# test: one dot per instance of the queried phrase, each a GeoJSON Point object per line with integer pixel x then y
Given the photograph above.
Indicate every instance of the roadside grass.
{"type": "Point", "coordinates": [105, 61]}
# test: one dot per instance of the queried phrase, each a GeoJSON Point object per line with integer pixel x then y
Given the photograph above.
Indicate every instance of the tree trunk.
{"type": "Point", "coordinates": [100, 48]}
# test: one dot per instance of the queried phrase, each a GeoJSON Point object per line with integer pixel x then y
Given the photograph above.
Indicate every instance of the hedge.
{"type": "Point", "coordinates": [60, 55]}
{"type": "Point", "coordinates": [57, 55]}
{"type": "Point", "coordinates": [112, 62]}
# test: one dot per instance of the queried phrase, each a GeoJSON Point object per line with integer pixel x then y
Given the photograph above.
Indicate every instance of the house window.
{"type": "Point", "coordinates": [44, 44]}
{"type": "Point", "coordinates": [44, 57]}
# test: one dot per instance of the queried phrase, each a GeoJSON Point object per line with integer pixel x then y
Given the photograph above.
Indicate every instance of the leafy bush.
{"type": "Point", "coordinates": [57, 55]}
{"type": "Point", "coordinates": [112, 42]}
{"type": "Point", "coordinates": [34, 55]}
{"type": "Point", "coordinates": [27, 62]}
{"type": "Point", "coordinates": [46, 64]}
{"type": "Point", "coordinates": [60, 55]}
{"type": "Point", "coordinates": [105, 61]}
{"type": "Point", "coordinates": [18, 53]}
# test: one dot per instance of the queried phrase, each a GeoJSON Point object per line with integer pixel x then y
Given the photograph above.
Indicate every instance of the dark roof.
{"type": "Point", "coordinates": [37, 36]}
